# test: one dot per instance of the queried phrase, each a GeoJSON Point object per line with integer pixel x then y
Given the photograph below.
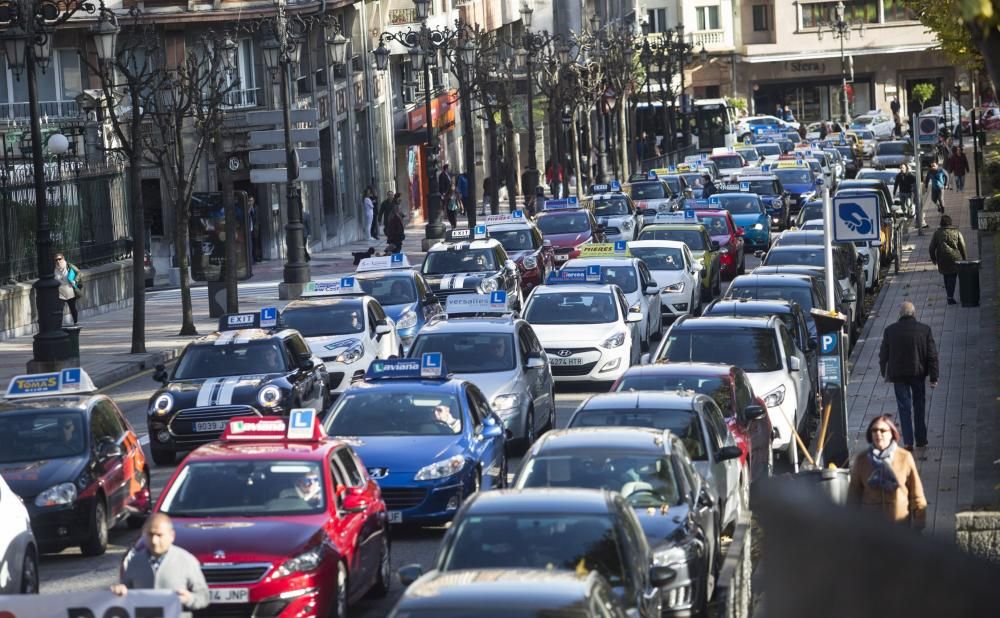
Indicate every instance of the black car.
{"type": "Point", "coordinates": [842, 301]}
{"type": "Point", "coordinates": [555, 529]}
{"type": "Point", "coordinates": [74, 460]}
{"type": "Point", "coordinates": [486, 593]}
{"type": "Point", "coordinates": [240, 370]}
{"type": "Point", "coordinates": [652, 469]}
{"type": "Point", "coordinates": [851, 164]}
{"type": "Point", "coordinates": [467, 264]}
{"type": "Point", "coordinates": [848, 266]}
{"type": "Point", "coordinates": [893, 154]}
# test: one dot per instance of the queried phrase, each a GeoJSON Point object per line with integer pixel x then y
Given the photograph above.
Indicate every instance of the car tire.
{"type": "Point", "coordinates": [717, 290]}
{"type": "Point", "coordinates": [163, 458]}
{"type": "Point", "coordinates": [743, 265]}
{"type": "Point", "coordinates": [29, 572]}
{"type": "Point", "coordinates": [97, 531]}
{"type": "Point", "coordinates": [502, 476]}
{"type": "Point", "coordinates": [136, 521]}
{"type": "Point", "coordinates": [529, 430]}
{"type": "Point", "coordinates": [339, 608]}
{"type": "Point", "coordinates": [383, 579]}
{"type": "Point", "coordinates": [551, 423]}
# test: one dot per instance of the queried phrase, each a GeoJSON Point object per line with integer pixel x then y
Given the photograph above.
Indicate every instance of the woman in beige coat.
{"type": "Point", "coordinates": [884, 478]}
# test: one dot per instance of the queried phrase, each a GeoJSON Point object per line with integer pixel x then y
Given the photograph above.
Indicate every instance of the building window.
{"type": "Point", "coordinates": [708, 17]}
{"type": "Point", "coordinates": [244, 92]}
{"type": "Point", "coordinates": [57, 88]}
{"type": "Point", "coordinates": [657, 20]}
{"type": "Point", "coordinates": [761, 22]}
{"type": "Point", "coordinates": [818, 13]}
{"type": "Point", "coordinates": [896, 10]}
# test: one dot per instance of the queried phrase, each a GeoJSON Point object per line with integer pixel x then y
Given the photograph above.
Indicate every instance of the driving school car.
{"type": "Point", "coordinates": [401, 291]}
{"type": "Point", "coordinates": [524, 243]}
{"type": "Point", "coordinates": [471, 262]}
{"type": "Point", "coordinates": [615, 211]}
{"type": "Point", "coordinates": [652, 194]}
{"type": "Point", "coordinates": [567, 227]}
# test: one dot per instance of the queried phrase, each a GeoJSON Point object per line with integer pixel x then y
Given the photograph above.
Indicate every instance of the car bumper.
{"type": "Point", "coordinates": [342, 376]}
{"type": "Point", "coordinates": [58, 527]}
{"type": "Point", "coordinates": [303, 594]}
{"type": "Point", "coordinates": [426, 502]}
{"type": "Point", "coordinates": [680, 597]}
{"type": "Point", "coordinates": [780, 416]}
{"type": "Point", "coordinates": [176, 432]}
{"type": "Point", "coordinates": [597, 365]}
{"type": "Point", "coordinates": [674, 305]}
{"type": "Point", "coordinates": [728, 264]}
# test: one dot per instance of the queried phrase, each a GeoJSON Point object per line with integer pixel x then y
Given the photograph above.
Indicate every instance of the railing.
{"type": "Point", "coordinates": [49, 109]}
{"type": "Point", "coordinates": [709, 38]}
{"type": "Point", "coordinates": [87, 211]}
{"type": "Point", "coordinates": [247, 97]}
{"type": "Point", "coordinates": [732, 596]}
{"type": "Point", "coordinates": [671, 158]}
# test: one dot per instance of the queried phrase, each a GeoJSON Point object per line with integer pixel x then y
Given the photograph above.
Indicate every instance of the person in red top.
{"type": "Point", "coordinates": [959, 167]}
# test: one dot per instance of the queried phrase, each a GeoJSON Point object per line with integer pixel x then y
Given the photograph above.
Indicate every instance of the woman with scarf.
{"type": "Point", "coordinates": [884, 478]}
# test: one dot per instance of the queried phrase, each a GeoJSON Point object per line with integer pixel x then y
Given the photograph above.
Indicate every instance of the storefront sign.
{"type": "Point", "coordinates": [800, 66]}
{"type": "Point", "coordinates": [98, 604]}
{"type": "Point", "coordinates": [443, 110]}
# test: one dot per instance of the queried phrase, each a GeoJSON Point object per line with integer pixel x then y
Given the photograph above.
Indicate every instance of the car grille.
{"type": "Point", "coordinates": [612, 231]}
{"type": "Point", "coordinates": [182, 424]}
{"type": "Point", "coordinates": [573, 370]}
{"type": "Point", "coordinates": [573, 351]}
{"type": "Point", "coordinates": [442, 294]}
{"type": "Point", "coordinates": [235, 573]}
{"type": "Point", "coordinates": [397, 499]}
{"type": "Point", "coordinates": [336, 377]}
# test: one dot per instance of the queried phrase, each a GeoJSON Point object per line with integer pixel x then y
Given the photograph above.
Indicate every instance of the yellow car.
{"type": "Point", "coordinates": [672, 226]}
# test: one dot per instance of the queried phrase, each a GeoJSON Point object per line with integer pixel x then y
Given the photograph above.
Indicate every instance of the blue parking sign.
{"type": "Point", "coordinates": [828, 343]}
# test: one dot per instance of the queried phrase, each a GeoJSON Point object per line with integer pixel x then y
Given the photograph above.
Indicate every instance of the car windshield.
{"type": "Point", "coordinates": [728, 161]}
{"type": "Point", "coordinates": [749, 154]}
{"type": "Point", "coordinates": [571, 308]}
{"type": "Point", "coordinates": [469, 352]}
{"type": "Point", "coordinates": [894, 148]}
{"type": "Point", "coordinates": [794, 257]}
{"type": "Point", "coordinates": [846, 151]}
{"type": "Point", "coordinates": [888, 177]}
{"type": "Point", "coordinates": [468, 261]}
{"type": "Point", "coordinates": [336, 318]}
{"type": "Point", "coordinates": [395, 413]}
{"type": "Point", "coordinates": [716, 387]}
{"type": "Point", "coordinates": [862, 121]}
{"type": "Point", "coordinates": [623, 276]}
{"type": "Point", "coordinates": [693, 180]}
{"type": "Point", "coordinates": [716, 224]}
{"type": "Point", "coordinates": [674, 182]}
{"type": "Point", "coordinates": [660, 258]}
{"type": "Point", "coordinates": [246, 488]}
{"type": "Point", "coordinates": [514, 240]}
{"type": "Point", "coordinates": [811, 211]}
{"type": "Point", "coordinates": [799, 294]}
{"type": "Point", "coordinates": [754, 350]}
{"type": "Point", "coordinates": [610, 207]}
{"type": "Point", "coordinates": [642, 479]}
{"type": "Point", "coordinates": [559, 541]}
{"type": "Point", "coordinates": [865, 135]}
{"type": "Point", "coordinates": [390, 290]}
{"type": "Point", "coordinates": [683, 423]}
{"type": "Point", "coordinates": [33, 435]}
{"type": "Point", "coordinates": [234, 359]}
{"type": "Point", "coordinates": [762, 187]}
{"type": "Point", "coordinates": [564, 224]}
{"type": "Point", "coordinates": [692, 238]}
{"type": "Point", "coordinates": [794, 176]}
{"type": "Point", "coordinates": [768, 150]}
{"type": "Point", "coordinates": [741, 204]}
{"type": "Point", "coordinates": [652, 190]}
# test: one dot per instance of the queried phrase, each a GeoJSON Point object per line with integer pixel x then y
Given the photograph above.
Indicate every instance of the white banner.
{"type": "Point", "coordinates": [98, 604]}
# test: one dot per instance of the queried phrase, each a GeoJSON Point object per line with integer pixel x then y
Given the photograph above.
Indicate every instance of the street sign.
{"type": "Point", "coordinates": [276, 117]}
{"type": "Point", "coordinates": [278, 174]}
{"type": "Point", "coordinates": [277, 156]}
{"type": "Point", "coordinates": [856, 217]}
{"type": "Point", "coordinates": [277, 136]}
{"type": "Point", "coordinates": [927, 129]}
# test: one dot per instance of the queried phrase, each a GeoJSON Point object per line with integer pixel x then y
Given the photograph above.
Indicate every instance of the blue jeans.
{"type": "Point", "coordinates": [960, 182]}
{"type": "Point", "coordinates": [910, 396]}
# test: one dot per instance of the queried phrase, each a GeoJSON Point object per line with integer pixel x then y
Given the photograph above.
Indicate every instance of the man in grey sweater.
{"type": "Point", "coordinates": [160, 564]}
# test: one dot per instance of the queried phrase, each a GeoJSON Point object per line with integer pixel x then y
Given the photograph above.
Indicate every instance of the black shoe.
{"type": "Point", "coordinates": [908, 447]}
{"type": "Point", "coordinates": [952, 301]}
{"type": "Point", "coordinates": [922, 444]}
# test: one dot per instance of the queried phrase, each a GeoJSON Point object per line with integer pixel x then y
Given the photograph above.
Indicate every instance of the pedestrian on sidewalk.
{"type": "Point", "coordinates": [395, 229]}
{"type": "Point", "coordinates": [306, 233]}
{"type": "Point", "coordinates": [462, 189]}
{"type": "Point", "coordinates": [70, 284]}
{"type": "Point", "coordinates": [369, 201]}
{"type": "Point", "coordinates": [161, 565]}
{"type": "Point", "coordinates": [947, 248]}
{"type": "Point", "coordinates": [908, 356]}
{"type": "Point", "coordinates": [384, 208]}
{"type": "Point", "coordinates": [903, 187]}
{"type": "Point", "coordinates": [884, 478]}
{"type": "Point", "coordinates": [937, 179]}
{"type": "Point", "coordinates": [959, 167]}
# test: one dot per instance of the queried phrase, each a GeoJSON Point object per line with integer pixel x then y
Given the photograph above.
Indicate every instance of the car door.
{"type": "Point", "coordinates": [546, 388]}
{"type": "Point", "coordinates": [488, 446]}
{"type": "Point", "coordinates": [13, 539]}
{"type": "Point", "coordinates": [305, 381]}
{"type": "Point", "coordinates": [705, 514]}
{"type": "Point", "coordinates": [135, 460]}
{"type": "Point", "coordinates": [105, 432]}
{"type": "Point", "coordinates": [631, 327]}
{"type": "Point", "coordinates": [534, 385]}
{"type": "Point", "coordinates": [349, 534]}
{"type": "Point", "coordinates": [758, 431]}
{"type": "Point", "coordinates": [650, 298]}
{"type": "Point", "coordinates": [800, 379]}
{"type": "Point", "coordinates": [737, 239]}
{"type": "Point", "coordinates": [727, 473]}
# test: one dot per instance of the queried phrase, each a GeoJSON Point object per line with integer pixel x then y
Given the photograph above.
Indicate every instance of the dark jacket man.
{"type": "Point", "coordinates": [908, 351]}
{"type": "Point", "coordinates": [947, 247]}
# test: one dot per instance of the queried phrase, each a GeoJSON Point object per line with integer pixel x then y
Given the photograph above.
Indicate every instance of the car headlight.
{"type": "Point", "coordinates": [162, 404]}
{"type": "Point", "coordinates": [407, 320]}
{"type": "Point", "coordinates": [488, 285]}
{"type": "Point", "coordinates": [352, 354]}
{"type": "Point", "coordinates": [758, 226]}
{"type": "Point", "coordinates": [506, 403]}
{"type": "Point", "coordinates": [674, 288]}
{"type": "Point", "coordinates": [725, 249]}
{"type": "Point", "coordinates": [308, 560]}
{"type": "Point", "coordinates": [63, 493]}
{"type": "Point", "coordinates": [775, 219]}
{"type": "Point", "coordinates": [807, 196]}
{"type": "Point", "coordinates": [530, 262]}
{"type": "Point", "coordinates": [775, 397]}
{"type": "Point", "coordinates": [672, 556]}
{"type": "Point", "coordinates": [614, 341]}
{"type": "Point", "coordinates": [269, 396]}
{"type": "Point", "coordinates": [441, 469]}
{"type": "Point", "coordinates": [627, 225]}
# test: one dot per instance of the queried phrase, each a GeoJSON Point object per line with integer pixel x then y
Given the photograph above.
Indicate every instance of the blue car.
{"type": "Point", "coordinates": [430, 440]}
{"type": "Point", "coordinates": [748, 213]}
{"type": "Point", "coordinates": [402, 292]}
{"type": "Point", "coordinates": [800, 182]}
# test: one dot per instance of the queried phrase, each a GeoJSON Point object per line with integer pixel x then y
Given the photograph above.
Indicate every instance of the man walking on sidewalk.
{"type": "Point", "coordinates": [937, 179]}
{"type": "Point", "coordinates": [908, 357]}
{"type": "Point", "coordinates": [947, 248]}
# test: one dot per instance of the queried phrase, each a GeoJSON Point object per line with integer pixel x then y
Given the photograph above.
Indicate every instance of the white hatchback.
{"type": "Point", "coordinates": [675, 271]}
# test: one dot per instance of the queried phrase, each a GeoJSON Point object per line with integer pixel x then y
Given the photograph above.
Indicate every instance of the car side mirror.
{"type": "Point", "coordinates": [160, 374]}
{"type": "Point", "coordinates": [759, 254]}
{"type": "Point", "coordinates": [652, 288]}
{"type": "Point", "coordinates": [410, 573]}
{"type": "Point", "coordinates": [705, 500]}
{"type": "Point", "coordinates": [382, 329]}
{"type": "Point", "coordinates": [715, 245]}
{"type": "Point", "coordinates": [754, 411]}
{"type": "Point", "coordinates": [728, 452]}
{"type": "Point", "coordinates": [430, 299]}
{"type": "Point", "coordinates": [633, 316]}
{"type": "Point", "coordinates": [876, 243]}
{"type": "Point", "coordinates": [306, 363]}
{"type": "Point", "coordinates": [740, 231]}
{"type": "Point", "coordinates": [794, 363]}
{"type": "Point", "coordinates": [811, 345]}
{"type": "Point", "coordinates": [534, 362]}
{"type": "Point", "coordinates": [698, 267]}
{"type": "Point", "coordinates": [108, 450]}
{"type": "Point", "coordinates": [354, 501]}
{"type": "Point", "coordinates": [644, 359]}
{"type": "Point", "coordinates": [660, 575]}
{"type": "Point", "coordinates": [850, 297]}
{"type": "Point", "coordinates": [511, 265]}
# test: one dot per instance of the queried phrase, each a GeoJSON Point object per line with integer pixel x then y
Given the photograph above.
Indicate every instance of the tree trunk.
{"type": "Point", "coordinates": [182, 235]}
{"type": "Point", "coordinates": [989, 46]}
{"type": "Point", "coordinates": [512, 184]}
{"type": "Point", "coordinates": [138, 233]}
{"type": "Point", "coordinates": [623, 139]}
{"type": "Point", "coordinates": [493, 187]}
{"type": "Point", "coordinates": [469, 154]}
{"type": "Point", "coordinates": [575, 149]}
{"type": "Point", "coordinates": [231, 269]}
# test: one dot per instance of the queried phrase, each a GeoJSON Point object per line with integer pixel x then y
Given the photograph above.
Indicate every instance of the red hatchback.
{"type": "Point", "coordinates": [285, 521]}
{"type": "Point", "coordinates": [723, 230]}
{"type": "Point", "coordinates": [567, 229]}
{"type": "Point", "coordinates": [745, 413]}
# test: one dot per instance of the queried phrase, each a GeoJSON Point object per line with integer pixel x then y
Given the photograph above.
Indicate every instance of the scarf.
{"type": "Point", "coordinates": [882, 476]}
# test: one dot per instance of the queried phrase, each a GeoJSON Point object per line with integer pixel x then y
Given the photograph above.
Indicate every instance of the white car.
{"type": "Point", "coordinates": [18, 549]}
{"type": "Point", "coordinates": [955, 114]}
{"type": "Point", "coordinates": [639, 286]}
{"type": "Point", "coordinates": [729, 163]}
{"type": "Point", "coordinates": [616, 212]}
{"type": "Point", "coordinates": [587, 331]}
{"type": "Point", "coordinates": [762, 346]}
{"type": "Point", "coordinates": [745, 127]}
{"type": "Point", "coordinates": [676, 272]}
{"type": "Point", "coordinates": [868, 142]}
{"type": "Point", "coordinates": [751, 155]}
{"type": "Point", "coordinates": [346, 330]}
{"type": "Point", "coordinates": [812, 131]}
{"type": "Point", "coordinates": [879, 123]}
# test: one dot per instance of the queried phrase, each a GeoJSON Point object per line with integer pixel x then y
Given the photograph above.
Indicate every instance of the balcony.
{"type": "Point", "coordinates": [400, 17]}
{"type": "Point", "coordinates": [712, 40]}
{"type": "Point", "coordinates": [248, 97]}
{"type": "Point", "coordinates": [49, 110]}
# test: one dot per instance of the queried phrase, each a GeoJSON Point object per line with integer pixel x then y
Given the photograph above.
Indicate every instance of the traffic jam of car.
{"type": "Point", "coordinates": [302, 438]}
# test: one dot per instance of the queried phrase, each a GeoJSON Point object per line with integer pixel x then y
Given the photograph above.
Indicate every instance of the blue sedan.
{"type": "Point", "coordinates": [429, 441]}
{"type": "Point", "coordinates": [748, 213]}
{"type": "Point", "coordinates": [402, 292]}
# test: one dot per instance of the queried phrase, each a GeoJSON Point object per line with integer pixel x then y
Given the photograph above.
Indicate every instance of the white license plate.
{"type": "Point", "coordinates": [561, 257]}
{"type": "Point", "coordinates": [229, 595]}
{"type": "Point", "coordinates": [562, 362]}
{"type": "Point", "coordinates": [209, 426]}
{"type": "Point", "coordinates": [395, 517]}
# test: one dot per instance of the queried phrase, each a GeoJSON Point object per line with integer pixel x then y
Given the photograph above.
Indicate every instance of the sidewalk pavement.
{"type": "Point", "coordinates": [105, 339]}
{"type": "Point", "coordinates": [956, 467]}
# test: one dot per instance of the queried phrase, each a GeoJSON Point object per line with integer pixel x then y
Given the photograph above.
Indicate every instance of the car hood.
{"type": "Point", "coordinates": [765, 382]}
{"type": "Point", "coordinates": [28, 479]}
{"type": "Point", "coordinates": [396, 311]}
{"type": "Point", "coordinates": [567, 240]}
{"type": "Point", "coordinates": [325, 347]}
{"type": "Point", "coordinates": [661, 202]}
{"type": "Point", "coordinates": [517, 256]}
{"type": "Point", "coordinates": [667, 277]}
{"type": "Point", "coordinates": [575, 335]}
{"type": "Point", "coordinates": [491, 384]}
{"type": "Point", "coordinates": [800, 189]}
{"type": "Point", "coordinates": [456, 281]}
{"type": "Point", "coordinates": [659, 524]}
{"type": "Point", "coordinates": [747, 221]}
{"type": "Point", "coordinates": [405, 454]}
{"type": "Point", "coordinates": [217, 391]}
{"type": "Point", "coordinates": [248, 540]}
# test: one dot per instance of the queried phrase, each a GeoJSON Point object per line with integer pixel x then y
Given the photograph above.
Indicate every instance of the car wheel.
{"type": "Point", "coordinates": [384, 577]}
{"type": "Point", "coordinates": [97, 533]}
{"type": "Point", "coordinates": [529, 429]}
{"type": "Point", "coordinates": [136, 521]}
{"type": "Point", "coordinates": [502, 476]}
{"type": "Point", "coordinates": [29, 572]}
{"type": "Point", "coordinates": [163, 458]}
{"type": "Point", "coordinates": [743, 265]}
{"type": "Point", "coordinates": [477, 482]}
{"type": "Point", "coordinates": [339, 609]}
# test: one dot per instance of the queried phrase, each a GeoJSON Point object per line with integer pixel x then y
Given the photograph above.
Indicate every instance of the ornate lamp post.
{"type": "Point", "coordinates": [532, 43]}
{"type": "Point", "coordinates": [840, 29]}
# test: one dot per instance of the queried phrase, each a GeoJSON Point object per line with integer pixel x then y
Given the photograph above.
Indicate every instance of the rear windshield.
{"type": "Point", "coordinates": [794, 258]}
{"type": "Point", "coordinates": [337, 318]}
{"type": "Point", "coordinates": [799, 294]}
{"type": "Point", "coordinates": [894, 148]}
{"type": "Point", "coordinates": [716, 387]}
{"type": "Point", "coordinates": [652, 190]}
{"type": "Point", "coordinates": [692, 238]}
{"type": "Point", "coordinates": [683, 423]}
{"type": "Point", "coordinates": [754, 350]}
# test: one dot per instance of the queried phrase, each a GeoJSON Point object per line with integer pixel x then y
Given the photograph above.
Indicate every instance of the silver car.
{"type": "Point", "coordinates": [503, 357]}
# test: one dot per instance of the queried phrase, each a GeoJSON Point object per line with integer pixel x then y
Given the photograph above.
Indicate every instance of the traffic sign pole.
{"type": "Point", "coordinates": [918, 191]}
{"type": "Point", "coordinates": [828, 246]}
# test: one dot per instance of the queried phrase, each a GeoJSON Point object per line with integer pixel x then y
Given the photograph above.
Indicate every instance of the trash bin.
{"type": "Point", "coordinates": [217, 299]}
{"type": "Point", "coordinates": [833, 482]}
{"type": "Point", "coordinates": [975, 205]}
{"type": "Point", "coordinates": [968, 282]}
{"type": "Point", "coordinates": [73, 341]}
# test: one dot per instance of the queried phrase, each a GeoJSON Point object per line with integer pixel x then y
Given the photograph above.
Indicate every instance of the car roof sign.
{"type": "Point", "coordinates": [383, 262]}
{"type": "Point", "coordinates": [669, 217]}
{"type": "Point", "coordinates": [345, 286]}
{"type": "Point", "coordinates": [408, 368]}
{"type": "Point", "coordinates": [586, 274]}
{"type": "Point", "coordinates": [514, 217]}
{"type": "Point", "coordinates": [475, 304]}
{"type": "Point", "coordinates": [605, 250]}
{"type": "Point", "coordinates": [68, 381]}
{"type": "Point", "coordinates": [267, 317]}
{"type": "Point", "coordinates": [302, 425]}
{"type": "Point", "coordinates": [563, 204]}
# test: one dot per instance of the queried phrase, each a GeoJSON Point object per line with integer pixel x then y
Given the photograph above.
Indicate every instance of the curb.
{"type": "Point", "coordinates": [134, 366]}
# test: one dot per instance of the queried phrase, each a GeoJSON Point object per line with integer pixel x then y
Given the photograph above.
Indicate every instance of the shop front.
{"type": "Point", "coordinates": [412, 149]}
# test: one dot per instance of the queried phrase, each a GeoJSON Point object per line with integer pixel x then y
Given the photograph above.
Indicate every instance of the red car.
{"type": "Point", "coordinates": [523, 242]}
{"type": "Point", "coordinates": [567, 229]}
{"type": "Point", "coordinates": [285, 521]}
{"type": "Point", "coordinates": [723, 229]}
{"type": "Point", "coordinates": [745, 413]}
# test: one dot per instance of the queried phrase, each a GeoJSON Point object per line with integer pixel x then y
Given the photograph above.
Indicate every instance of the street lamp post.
{"type": "Point", "coordinates": [532, 43]}
{"type": "Point", "coordinates": [840, 29]}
